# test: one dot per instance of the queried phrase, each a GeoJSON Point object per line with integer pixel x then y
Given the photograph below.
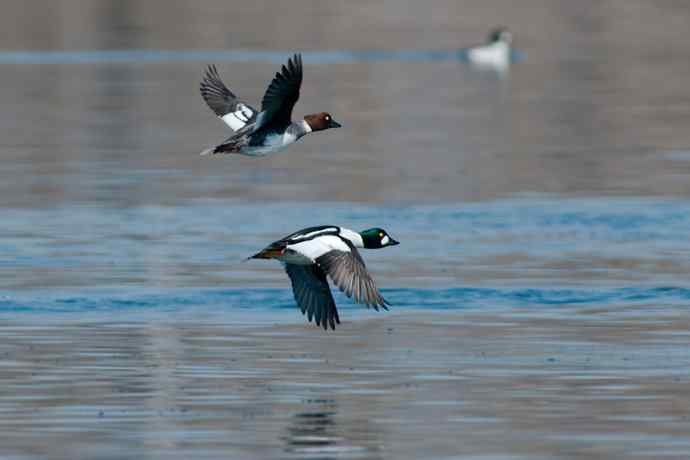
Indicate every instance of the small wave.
{"type": "Point", "coordinates": [272, 299]}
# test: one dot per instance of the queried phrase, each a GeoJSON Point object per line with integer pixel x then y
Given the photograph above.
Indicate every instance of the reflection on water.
{"type": "Point", "coordinates": [314, 433]}
{"type": "Point", "coordinates": [198, 385]}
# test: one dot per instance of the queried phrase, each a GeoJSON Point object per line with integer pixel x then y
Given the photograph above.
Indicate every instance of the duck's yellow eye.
{"type": "Point", "coordinates": [327, 118]}
{"type": "Point", "coordinates": [381, 234]}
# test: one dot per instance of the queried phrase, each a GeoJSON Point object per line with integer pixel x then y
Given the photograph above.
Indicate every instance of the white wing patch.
{"type": "Point", "coordinates": [239, 118]}
{"type": "Point", "coordinates": [319, 246]}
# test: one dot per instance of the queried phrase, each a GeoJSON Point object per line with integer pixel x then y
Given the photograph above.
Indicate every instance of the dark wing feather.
{"type": "Point", "coordinates": [348, 272]}
{"type": "Point", "coordinates": [283, 92]}
{"type": "Point", "coordinates": [221, 100]}
{"type": "Point", "coordinates": [312, 294]}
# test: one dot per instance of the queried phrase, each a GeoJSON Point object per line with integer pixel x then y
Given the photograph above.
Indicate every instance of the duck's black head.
{"type": "Point", "coordinates": [500, 34]}
{"type": "Point", "coordinates": [377, 238]}
{"type": "Point", "coordinates": [321, 121]}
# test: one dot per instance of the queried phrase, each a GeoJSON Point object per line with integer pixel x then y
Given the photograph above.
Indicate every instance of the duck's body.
{"type": "Point", "coordinates": [312, 253]}
{"type": "Point", "coordinates": [271, 129]}
{"type": "Point", "coordinates": [496, 52]}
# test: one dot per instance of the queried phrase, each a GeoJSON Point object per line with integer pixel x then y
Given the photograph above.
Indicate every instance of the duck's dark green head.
{"type": "Point", "coordinates": [500, 34]}
{"type": "Point", "coordinates": [376, 238]}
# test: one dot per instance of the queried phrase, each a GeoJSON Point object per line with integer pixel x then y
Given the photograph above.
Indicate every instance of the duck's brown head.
{"type": "Point", "coordinates": [321, 121]}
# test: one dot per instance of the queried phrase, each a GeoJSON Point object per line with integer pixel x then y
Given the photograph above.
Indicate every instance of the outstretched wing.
{"type": "Point", "coordinates": [313, 295]}
{"type": "Point", "coordinates": [283, 92]}
{"type": "Point", "coordinates": [348, 272]}
{"type": "Point", "coordinates": [235, 113]}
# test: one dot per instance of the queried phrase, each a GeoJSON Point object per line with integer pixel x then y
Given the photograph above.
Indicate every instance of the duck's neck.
{"type": "Point", "coordinates": [305, 126]}
{"type": "Point", "coordinates": [298, 129]}
{"type": "Point", "coordinates": [354, 237]}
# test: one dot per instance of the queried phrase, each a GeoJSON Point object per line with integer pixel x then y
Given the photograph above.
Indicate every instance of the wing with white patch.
{"type": "Point", "coordinates": [348, 272]}
{"type": "Point", "coordinates": [235, 113]}
{"type": "Point", "coordinates": [312, 294]}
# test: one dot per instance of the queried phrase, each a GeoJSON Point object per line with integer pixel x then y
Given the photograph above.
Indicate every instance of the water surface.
{"type": "Point", "coordinates": [540, 292]}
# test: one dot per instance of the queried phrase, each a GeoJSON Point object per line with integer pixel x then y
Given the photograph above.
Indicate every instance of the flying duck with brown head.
{"type": "Point", "coordinates": [259, 133]}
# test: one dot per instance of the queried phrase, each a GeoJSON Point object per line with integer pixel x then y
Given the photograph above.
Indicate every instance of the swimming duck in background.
{"type": "Point", "coordinates": [312, 253]}
{"type": "Point", "coordinates": [271, 129]}
{"type": "Point", "coordinates": [496, 53]}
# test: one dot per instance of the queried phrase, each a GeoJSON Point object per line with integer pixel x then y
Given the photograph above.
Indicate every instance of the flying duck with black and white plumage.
{"type": "Point", "coordinates": [312, 253]}
{"type": "Point", "coordinates": [271, 129]}
{"type": "Point", "coordinates": [495, 53]}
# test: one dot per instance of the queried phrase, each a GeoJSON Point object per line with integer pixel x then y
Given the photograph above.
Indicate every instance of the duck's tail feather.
{"type": "Point", "coordinates": [268, 253]}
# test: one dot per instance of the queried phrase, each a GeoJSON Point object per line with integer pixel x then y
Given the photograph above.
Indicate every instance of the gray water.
{"type": "Point", "coordinates": [539, 294]}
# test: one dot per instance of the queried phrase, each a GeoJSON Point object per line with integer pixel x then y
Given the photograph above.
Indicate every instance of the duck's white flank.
{"type": "Point", "coordinates": [288, 138]}
{"type": "Point", "coordinates": [273, 143]}
{"type": "Point", "coordinates": [315, 248]}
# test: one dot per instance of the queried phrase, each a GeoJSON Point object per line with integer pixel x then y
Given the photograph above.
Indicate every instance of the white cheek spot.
{"type": "Point", "coordinates": [385, 240]}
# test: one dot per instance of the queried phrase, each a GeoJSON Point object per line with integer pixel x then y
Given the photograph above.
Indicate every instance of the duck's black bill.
{"type": "Point", "coordinates": [334, 124]}
{"type": "Point", "coordinates": [392, 242]}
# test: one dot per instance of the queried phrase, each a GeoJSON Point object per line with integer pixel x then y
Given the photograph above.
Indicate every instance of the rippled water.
{"type": "Point", "coordinates": [540, 294]}
{"type": "Point", "coordinates": [532, 243]}
{"type": "Point", "coordinates": [214, 383]}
